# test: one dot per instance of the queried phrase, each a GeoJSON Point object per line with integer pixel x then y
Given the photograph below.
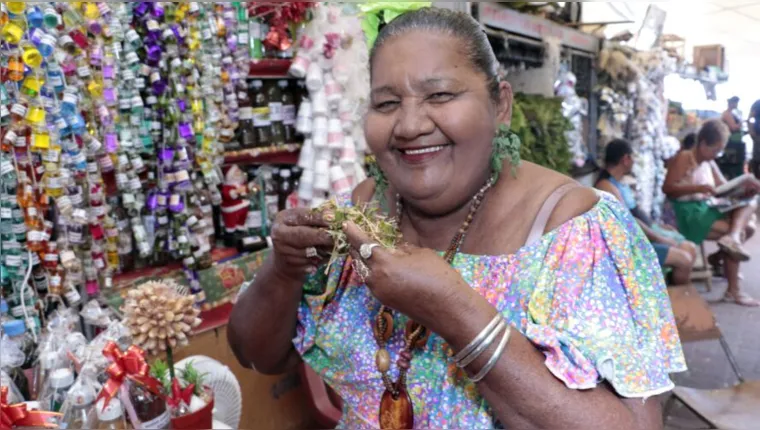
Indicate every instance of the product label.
{"type": "Point", "coordinates": [6, 213]}
{"type": "Point", "coordinates": [261, 117]}
{"type": "Point", "coordinates": [162, 220]}
{"type": "Point", "coordinates": [288, 114]}
{"type": "Point", "coordinates": [252, 240]}
{"type": "Point", "coordinates": [72, 296]}
{"type": "Point", "coordinates": [135, 184]}
{"type": "Point", "coordinates": [99, 211]}
{"type": "Point", "coordinates": [53, 182]}
{"type": "Point", "coordinates": [12, 260]}
{"type": "Point", "coordinates": [246, 113]}
{"type": "Point", "coordinates": [51, 155]}
{"type": "Point", "coordinates": [275, 112]}
{"type": "Point", "coordinates": [254, 220]}
{"type": "Point", "coordinates": [83, 71]}
{"type": "Point", "coordinates": [6, 167]}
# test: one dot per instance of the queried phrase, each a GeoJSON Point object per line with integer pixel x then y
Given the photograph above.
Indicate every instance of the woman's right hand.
{"type": "Point", "coordinates": [293, 233]}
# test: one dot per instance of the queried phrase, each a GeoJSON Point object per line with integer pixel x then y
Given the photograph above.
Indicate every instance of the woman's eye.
{"type": "Point", "coordinates": [441, 97]}
{"type": "Point", "coordinates": [386, 105]}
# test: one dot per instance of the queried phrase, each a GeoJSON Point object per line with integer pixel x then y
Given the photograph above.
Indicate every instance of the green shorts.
{"type": "Point", "coordinates": [695, 219]}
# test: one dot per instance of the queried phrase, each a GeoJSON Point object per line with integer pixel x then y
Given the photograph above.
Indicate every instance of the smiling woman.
{"type": "Point", "coordinates": [516, 300]}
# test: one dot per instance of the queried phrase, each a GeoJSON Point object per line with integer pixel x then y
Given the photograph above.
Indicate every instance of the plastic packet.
{"type": "Point", "coordinates": [14, 395]}
{"type": "Point", "coordinates": [95, 315]}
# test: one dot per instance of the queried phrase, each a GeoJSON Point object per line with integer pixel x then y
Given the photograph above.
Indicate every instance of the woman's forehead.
{"type": "Point", "coordinates": [425, 58]}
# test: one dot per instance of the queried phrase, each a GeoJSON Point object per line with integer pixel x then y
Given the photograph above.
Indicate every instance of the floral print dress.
{"type": "Point", "coordinates": [590, 295]}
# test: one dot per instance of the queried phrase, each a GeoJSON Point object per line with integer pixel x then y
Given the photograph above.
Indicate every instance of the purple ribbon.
{"type": "Point", "coordinates": [141, 9]}
{"type": "Point", "coordinates": [108, 71]}
{"type": "Point", "coordinates": [179, 207]}
{"type": "Point", "coordinates": [111, 143]}
{"type": "Point", "coordinates": [158, 11]}
{"type": "Point", "coordinates": [186, 131]}
{"type": "Point", "coordinates": [166, 156]}
{"type": "Point", "coordinates": [176, 30]}
{"type": "Point", "coordinates": [35, 35]}
{"type": "Point", "coordinates": [152, 201]}
{"type": "Point", "coordinates": [182, 105]}
{"type": "Point", "coordinates": [109, 95]}
{"type": "Point", "coordinates": [153, 55]}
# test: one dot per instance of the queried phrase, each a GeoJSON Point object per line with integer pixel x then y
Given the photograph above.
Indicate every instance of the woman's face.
{"type": "Point", "coordinates": [432, 120]}
{"type": "Point", "coordinates": [711, 152]}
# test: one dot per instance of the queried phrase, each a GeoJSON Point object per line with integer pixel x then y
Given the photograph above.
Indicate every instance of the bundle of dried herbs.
{"type": "Point", "coordinates": [378, 227]}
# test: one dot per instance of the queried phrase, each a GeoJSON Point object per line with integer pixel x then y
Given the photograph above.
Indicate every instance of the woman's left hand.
{"type": "Point", "coordinates": [414, 281]}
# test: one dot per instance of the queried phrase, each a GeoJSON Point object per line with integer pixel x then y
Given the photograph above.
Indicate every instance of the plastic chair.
{"type": "Point", "coordinates": [736, 407]}
{"type": "Point", "coordinates": [326, 406]}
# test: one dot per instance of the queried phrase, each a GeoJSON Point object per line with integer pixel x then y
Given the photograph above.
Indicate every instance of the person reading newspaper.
{"type": "Point", "coordinates": [693, 181]}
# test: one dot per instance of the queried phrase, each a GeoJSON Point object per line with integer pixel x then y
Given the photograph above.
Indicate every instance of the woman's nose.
{"type": "Point", "coordinates": [413, 121]}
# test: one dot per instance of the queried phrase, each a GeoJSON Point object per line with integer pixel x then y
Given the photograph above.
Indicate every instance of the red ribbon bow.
{"type": "Point", "coordinates": [180, 395]}
{"type": "Point", "coordinates": [130, 364]}
{"type": "Point", "coordinates": [18, 415]}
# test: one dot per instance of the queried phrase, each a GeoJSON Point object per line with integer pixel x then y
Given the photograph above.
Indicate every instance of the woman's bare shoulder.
{"type": "Point", "coordinates": [577, 201]}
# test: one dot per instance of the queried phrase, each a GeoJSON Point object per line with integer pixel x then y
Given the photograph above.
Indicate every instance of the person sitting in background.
{"type": "Point", "coordinates": [754, 132]}
{"type": "Point", "coordinates": [672, 249]}
{"type": "Point", "coordinates": [690, 183]}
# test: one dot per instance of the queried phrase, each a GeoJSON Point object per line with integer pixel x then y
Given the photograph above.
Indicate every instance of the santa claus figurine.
{"type": "Point", "coordinates": [234, 203]}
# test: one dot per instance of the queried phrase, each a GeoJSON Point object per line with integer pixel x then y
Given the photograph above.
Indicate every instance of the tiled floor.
{"type": "Point", "coordinates": [708, 366]}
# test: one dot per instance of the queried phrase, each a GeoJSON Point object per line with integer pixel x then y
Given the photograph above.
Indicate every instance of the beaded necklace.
{"type": "Point", "coordinates": [396, 408]}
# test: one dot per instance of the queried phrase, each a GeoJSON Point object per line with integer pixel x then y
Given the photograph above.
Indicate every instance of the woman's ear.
{"type": "Point", "coordinates": [504, 109]}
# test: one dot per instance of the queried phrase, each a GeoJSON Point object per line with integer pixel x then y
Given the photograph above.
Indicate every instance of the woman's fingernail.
{"type": "Point", "coordinates": [345, 225]}
{"type": "Point", "coordinates": [329, 217]}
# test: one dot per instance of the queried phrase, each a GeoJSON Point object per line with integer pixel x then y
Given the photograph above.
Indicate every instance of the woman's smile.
{"type": "Point", "coordinates": [421, 155]}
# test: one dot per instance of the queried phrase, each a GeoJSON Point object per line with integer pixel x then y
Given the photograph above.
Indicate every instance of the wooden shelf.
{"type": "Point", "coordinates": [270, 69]}
{"type": "Point", "coordinates": [287, 154]}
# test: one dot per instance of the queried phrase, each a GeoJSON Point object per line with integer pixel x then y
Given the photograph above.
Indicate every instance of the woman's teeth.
{"type": "Point", "coordinates": [423, 150]}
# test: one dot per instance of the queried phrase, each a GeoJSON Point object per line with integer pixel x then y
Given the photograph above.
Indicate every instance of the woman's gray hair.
{"type": "Point", "coordinates": [455, 24]}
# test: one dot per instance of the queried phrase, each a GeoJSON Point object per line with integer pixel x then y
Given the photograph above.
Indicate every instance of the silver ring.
{"type": "Point", "coordinates": [362, 270]}
{"type": "Point", "coordinates": [365, 251]}
{"type": "Point", "coordinates": [311, 252]}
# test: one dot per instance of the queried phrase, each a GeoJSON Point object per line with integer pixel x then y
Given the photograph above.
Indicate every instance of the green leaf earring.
{"type": "Point", "coordinates": [381, 182]}
{"type": "Point", "coordinates": [506, 144]}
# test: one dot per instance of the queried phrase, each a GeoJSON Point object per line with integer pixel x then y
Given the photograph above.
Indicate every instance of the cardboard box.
{"type": "Point", "coordinates": [710, 55]}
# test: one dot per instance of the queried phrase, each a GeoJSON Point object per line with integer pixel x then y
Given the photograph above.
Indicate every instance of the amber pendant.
{"type": "Point", "coordinates": [397, 414]}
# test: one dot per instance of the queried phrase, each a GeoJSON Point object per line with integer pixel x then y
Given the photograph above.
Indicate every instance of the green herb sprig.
{"type": "Point", "coordinates": [380, 228]}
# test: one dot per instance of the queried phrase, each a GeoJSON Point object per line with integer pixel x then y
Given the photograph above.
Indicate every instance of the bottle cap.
{"type": "Point", "coordinates": [14, 328]}
{"type": "Point", "coordinates": [112, 412]}
{"type": "Point", "coordinates": [61, 378]}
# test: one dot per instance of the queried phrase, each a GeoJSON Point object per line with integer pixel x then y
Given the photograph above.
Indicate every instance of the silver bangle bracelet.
{"type": "Point", "coordinates": [483, 346]}
{"type": "Point", "coordinates": [495, 358]}
{"type": "Point", "coordinates": [478, 339]}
